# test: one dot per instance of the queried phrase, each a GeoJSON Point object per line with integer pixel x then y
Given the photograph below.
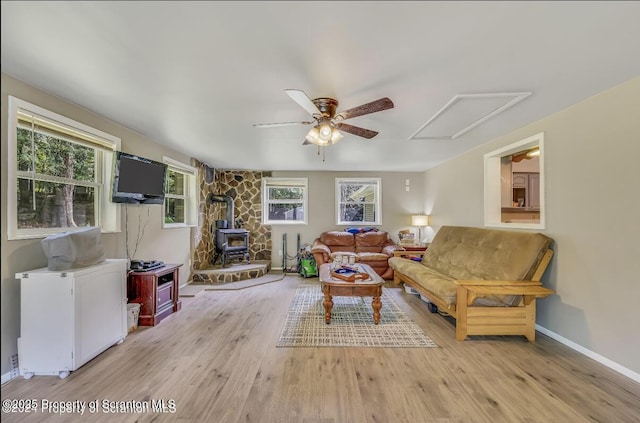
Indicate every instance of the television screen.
{"type": "Point", "coordinates": [137, 180]}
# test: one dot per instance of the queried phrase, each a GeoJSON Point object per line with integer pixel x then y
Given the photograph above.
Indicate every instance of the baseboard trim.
{"type": "Point", "coordinates": [593, 355]}
{"type": "Point", "coordinates": [6, 378]}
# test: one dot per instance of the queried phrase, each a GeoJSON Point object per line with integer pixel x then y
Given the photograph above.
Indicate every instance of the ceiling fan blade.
{"type": "Point", "coordinates": [518, 157]}
{"type": "Point", "coordinates": [364, 109]}
{"type": "Point", "coordinates": [356, 130]}
{"type": "Point", "coordinates": [305, 142]}
{"type": "Point", "coordinates": [274, 125]}
{"type": "Point", "coordinates": [304, 101]}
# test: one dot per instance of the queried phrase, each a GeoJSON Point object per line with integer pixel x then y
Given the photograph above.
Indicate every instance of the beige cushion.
{"type": "Point", "coordinates": [441, 285]}
{"type": "Point", "coordinates": [477, 253]}
{"type": "Point", "coordinates": [467, 253]}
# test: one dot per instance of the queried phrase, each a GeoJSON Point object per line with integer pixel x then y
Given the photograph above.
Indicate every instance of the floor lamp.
{"type": "Point", "coordinates": [420, 220]}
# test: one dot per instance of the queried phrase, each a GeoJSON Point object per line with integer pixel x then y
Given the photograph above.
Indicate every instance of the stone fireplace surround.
{"type": "Point", "coordinates": [244, 187]}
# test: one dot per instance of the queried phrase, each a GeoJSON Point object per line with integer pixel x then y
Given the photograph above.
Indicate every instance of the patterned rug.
{"type": "Point", "coordinates": [351, 323]}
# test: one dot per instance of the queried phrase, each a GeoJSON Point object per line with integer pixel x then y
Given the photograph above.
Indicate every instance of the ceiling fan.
{"type": "Point", "coordinates": [328, 123]}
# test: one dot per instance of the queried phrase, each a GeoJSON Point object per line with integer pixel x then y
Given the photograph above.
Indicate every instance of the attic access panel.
{"type": "Point", "coordinates": [464, 112]}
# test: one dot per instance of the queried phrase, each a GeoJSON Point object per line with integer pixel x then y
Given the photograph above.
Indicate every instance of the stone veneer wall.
{"type": "Point", "coordinates": [244, 187]}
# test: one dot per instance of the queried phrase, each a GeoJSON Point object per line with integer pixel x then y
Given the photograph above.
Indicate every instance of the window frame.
{"type": "Point", "coordinates": [190, 195]}
{"type": "Point", "coordinates": [377, 202]}
{"type": "Point", "coordinates": [107, 213]}
{"type": "Point", "coordinates": [285, 183]}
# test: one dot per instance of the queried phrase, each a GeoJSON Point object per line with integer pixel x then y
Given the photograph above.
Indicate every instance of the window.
{"type": "Point", "coordinates": [59, 174]}
{"type": "Point", "coordinates": [514, 194]}
{"type": "Point", "coordinates": [358, 201]}
{"type": "Point", "coordinates": [180, 208]}
{"type": "Point", "coordinates": [284, 201]}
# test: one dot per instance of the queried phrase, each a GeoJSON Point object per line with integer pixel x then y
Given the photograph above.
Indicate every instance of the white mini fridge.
{"type": "Point", "coordinates": [69, 317]}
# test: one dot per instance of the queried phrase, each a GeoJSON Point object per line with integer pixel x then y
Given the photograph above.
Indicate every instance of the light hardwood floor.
{"type": "Point", "coordinates": [217, 360]}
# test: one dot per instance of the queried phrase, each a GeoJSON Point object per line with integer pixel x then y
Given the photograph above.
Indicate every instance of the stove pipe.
{"type": "Point", "coordinates": [229, 209]}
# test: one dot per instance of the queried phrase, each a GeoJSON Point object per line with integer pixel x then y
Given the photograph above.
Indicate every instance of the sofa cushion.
{"type": "Point", "coordinates": [342, 254]}
{"type": "Point", "coordinates": [366, 257]}
{"type": "Point", "coordinates": [371, 241]}
{"type": "Point", "coordinates": [440, 284]}
{"type": "Point", "coordinates": [337, 239]}
{"type": "Point", "coordinates": [380, 267]}
{"type": "Point", "coordinates": [477, 253]}
{"type": "Point", "coordinates": [341, 249]}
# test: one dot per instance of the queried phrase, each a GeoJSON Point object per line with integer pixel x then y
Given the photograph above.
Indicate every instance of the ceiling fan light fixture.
{"type": "Point", "coordinates": [325, 132]}
{"type": "Point", "coordinates": [336, 136]}
{"type": "Point", "coordinates": [533, 153]}
{"type": "Point", "coordinates": [313, 136]}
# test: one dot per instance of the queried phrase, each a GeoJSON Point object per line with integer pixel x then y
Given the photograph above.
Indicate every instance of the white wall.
{"type": "Point", "coordinates": [168, 245]}
{"type": "Point", "coordinates": [592, 204]}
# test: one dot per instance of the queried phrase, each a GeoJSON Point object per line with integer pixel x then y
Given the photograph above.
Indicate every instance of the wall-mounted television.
{"type": "Point", "coordinates": [137, 180]}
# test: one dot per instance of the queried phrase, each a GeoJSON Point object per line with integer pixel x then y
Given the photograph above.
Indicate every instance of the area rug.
{"type": "Point", "coordinates": [351, 323]}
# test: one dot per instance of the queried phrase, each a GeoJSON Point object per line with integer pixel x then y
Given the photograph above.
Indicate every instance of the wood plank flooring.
{"type": "Point", "coordinates": [216, 361]}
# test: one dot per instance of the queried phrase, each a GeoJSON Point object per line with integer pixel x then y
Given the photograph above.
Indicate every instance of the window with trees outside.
{"type": "Point", "coordinates": [60, 173]}
{"type": "Point", "coordinates": [358, 201]}
{"type": "Point", "coordinates": [284, 201]}
{"type": "Point", "coordinates": [180, 208]}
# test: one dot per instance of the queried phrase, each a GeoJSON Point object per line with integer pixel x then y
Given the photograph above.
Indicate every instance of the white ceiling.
{"type": "Point", "coordinates": [196, 76]}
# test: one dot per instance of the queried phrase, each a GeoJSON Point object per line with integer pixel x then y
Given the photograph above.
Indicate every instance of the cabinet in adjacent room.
{"type": "Point", "coordinates": [526, 189]}
{"type": "Point", "coordinates": [520, 180]}
{"type": "Point", "coordinates": [69, 317]}
{"type": "Point", "coordinates": [534, 190]}
{"type": "Point", "coordinates": [156, 291]}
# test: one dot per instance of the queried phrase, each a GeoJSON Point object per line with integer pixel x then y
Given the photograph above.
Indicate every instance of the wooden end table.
{"type": "Point", "coordinates": [331, 286]}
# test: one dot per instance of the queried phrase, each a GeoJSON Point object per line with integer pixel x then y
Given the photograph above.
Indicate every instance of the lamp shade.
{"type": "Point", "coordinates": [420, 220]}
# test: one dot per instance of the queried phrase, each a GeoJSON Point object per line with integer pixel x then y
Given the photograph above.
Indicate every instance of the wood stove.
{"type": "Point", "coordinates": [230, 243]}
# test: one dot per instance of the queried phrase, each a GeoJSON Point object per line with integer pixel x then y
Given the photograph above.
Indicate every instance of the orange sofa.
{"type": "Point", "coordinates": [372, 248]}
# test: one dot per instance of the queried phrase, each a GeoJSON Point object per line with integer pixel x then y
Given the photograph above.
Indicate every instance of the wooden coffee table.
{"type": "Point", "coordinates": [331, 286]}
